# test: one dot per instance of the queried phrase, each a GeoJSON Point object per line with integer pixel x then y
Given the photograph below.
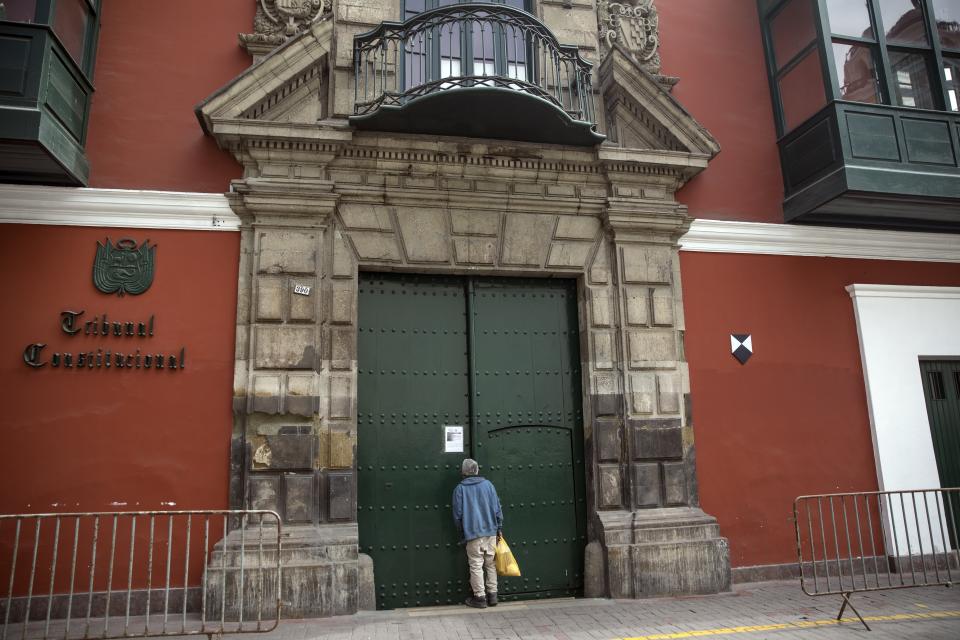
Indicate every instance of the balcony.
{"type": "Point", "coordinates": [476, 70]}
{"type": "Point", "coordinates": [874, 165]}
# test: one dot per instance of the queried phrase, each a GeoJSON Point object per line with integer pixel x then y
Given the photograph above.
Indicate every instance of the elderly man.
{"type": "Point", "coordinates": [477, 514]}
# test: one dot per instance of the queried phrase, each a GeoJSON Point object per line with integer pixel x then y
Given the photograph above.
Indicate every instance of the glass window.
{"type": "Point", "coordinates": [801, 91]}
{"type": "Point", "coordinates": [947, 13]}
{"type": "Point", "coordinates": [71, 23]}
{"type": "Point", "coordinates": [20, 10]}
{"type": "Point", "coordinates": [903, 21]}
{"type": "Point", "coordinates": [850, 18]}
{"type": "Point", "coordinates": [911, 80]}
{"type": "Point", "coordinates": [951, 76]}
{"type": "Point", "coordinates": [856, 72]}
{"type": "Point", "coordinates": [792, 29]}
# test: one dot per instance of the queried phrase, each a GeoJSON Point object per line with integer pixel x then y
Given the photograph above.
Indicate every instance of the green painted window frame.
{"type": "Point", "coordinates": [45, 13]}
{"type": "Point", "coordinates": [935, 54]}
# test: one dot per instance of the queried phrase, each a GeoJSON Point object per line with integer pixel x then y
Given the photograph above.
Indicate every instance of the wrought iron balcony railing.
{"type": "Point", "coordinates": [467, 47]}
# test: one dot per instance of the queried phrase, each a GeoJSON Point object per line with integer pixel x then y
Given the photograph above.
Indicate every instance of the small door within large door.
{"type": "Point", "coordinates": [941, 389]}
{"type": "Point", "coordinates": [499, 358]}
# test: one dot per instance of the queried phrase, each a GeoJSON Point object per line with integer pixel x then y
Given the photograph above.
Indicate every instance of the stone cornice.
{"type": "Point", "coordinates": [20, 204]}
{"type": "Point", "coordinates": [903, 291]}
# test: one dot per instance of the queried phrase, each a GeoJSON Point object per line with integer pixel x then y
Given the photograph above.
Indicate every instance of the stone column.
{"type": "Point", "coordinates": [294, 410]}
{"type": "Point", "coordinates": [657, 540]}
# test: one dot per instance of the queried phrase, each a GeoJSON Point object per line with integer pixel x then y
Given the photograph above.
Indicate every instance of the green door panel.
{"type": "Point", "coordinates": [528, 426]}
{"type": "Point", "coordinates": [499, 357]}
{"type": "Point", "coordinates": [941, 389]}
{"type": "Point", "coordinates": [412, 349]}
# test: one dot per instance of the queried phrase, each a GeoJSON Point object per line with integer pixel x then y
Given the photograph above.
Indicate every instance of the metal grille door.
{"type": "Point", "coordinates": [499, 358]}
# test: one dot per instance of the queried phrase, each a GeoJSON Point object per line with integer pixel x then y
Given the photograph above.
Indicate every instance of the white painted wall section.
{"type": "Point", "coordinates": [897, 325]}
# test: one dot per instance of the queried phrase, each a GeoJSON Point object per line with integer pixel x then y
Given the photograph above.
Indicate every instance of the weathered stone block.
{"type": "Point", "coordinates": [341, 505]}
{"type": "Point", "coordinates": [526, 239]}
{"type": "Point", "coordinates": [607, 436]}
{"type": "Point", "coordinates": [283, 452]}
{"type": "Point", "coordinates": [303, 308]}
{"type": "Point", "coordinates": [425, 236]}
{"type": "Point", "coordinates": [569, 254]}
{"type": "Point", "coordinates": [602, 356]}
{"type": "Point", "coordinates": [376, 246]}
{"type": "Point", "coordinates": [663, 307]}
{"type": "Point", "coordinates": [651, 349]}
{"type": "Point", "coordinates": [674, 483]}
{"type": "Point", "coordinates": [607, 404]}
{"type": "Point", "coordinates": [475, 250]}
{"type": "Point", "coordinates": [636, 302]}
{"type": "Point", "coordinates": [299, 496]}
{"type": "Point", "coordinates": [600, 269]}
{"type": "Point", "coordinates": [475, 223]}
{"type": "Point", "coordinates": [577, 228]}
{"type": "Point", "coordinates": [265, 394]}
{"type": "Point", "coordinates": [263, 492]}
{"type": "Point", "coordinates": [608, 480]}
{"type": "Point", "coordinates": [343, 348]}
{"type": "Point", "coordinates": [301, 398]}
{"type": "Point", "coordinates": [343, 302]}
{"type": "Point", "coordinates": [600, 307]}
{"type": "Point", "coordinates": [366, 584]}
{"type": "Point", "coordinates": [642, 393]}
{"type": "Point", "coordinates": [340, 449]}
{"type": "Point", "coordinates": [270, 298]}
{"type": "Point", "coordinates": [594, 571]}
{"type": "Point", "coordinates": [668, 392]}
{"type": "Point", "coordinates": [646, 484]}
{"type": "Point", "coordinates": [647, 263]}
{"type": "Point", "coordinates": [344, 263]}
{"type": "Point", "coordinates": [341, 396]}
{"type": "Point", "coordinates": [561, 190]}
{"type": "Point", "coordinates": [657, 443]}
{"type": "Point", "coordinates": [372, 217]}
{"type": "Point", "coordinates": [287, 251]}
{"type": "Point", "coordinates": [285, 347]}
{"type": "Point", "coordinates": [496, 186]}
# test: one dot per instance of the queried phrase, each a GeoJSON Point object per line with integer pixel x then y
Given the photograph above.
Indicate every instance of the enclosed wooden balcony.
{"type": "Point", "coordinates": [477, 70]}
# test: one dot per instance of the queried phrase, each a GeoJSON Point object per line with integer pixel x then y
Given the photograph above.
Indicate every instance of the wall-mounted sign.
{"type": "Point", "coordinates": [301, 289]}
{"type": "Point", "coordinates": [453, 439]}
{"type": "Point", "coordinates": [741, 346]}
{"type": "Point", "coordinates": [123, 267]}
{"type": "Point", "coordinates": [119, 353]}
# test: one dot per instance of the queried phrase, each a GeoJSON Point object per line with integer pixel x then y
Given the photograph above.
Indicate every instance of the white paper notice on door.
{"type": "Point", "coordinates": [453, 439]}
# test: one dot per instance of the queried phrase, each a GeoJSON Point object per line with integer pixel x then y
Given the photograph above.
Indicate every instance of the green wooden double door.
{"type": "Point", "coordinates": [496, 359]}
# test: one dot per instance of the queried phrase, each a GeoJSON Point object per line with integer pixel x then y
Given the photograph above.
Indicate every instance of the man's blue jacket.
{"type": "Point", "coordinates": [476, 508]}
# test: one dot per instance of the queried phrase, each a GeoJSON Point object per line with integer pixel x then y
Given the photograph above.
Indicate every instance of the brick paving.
{"type": "Point", "coordinates": [752, 611]}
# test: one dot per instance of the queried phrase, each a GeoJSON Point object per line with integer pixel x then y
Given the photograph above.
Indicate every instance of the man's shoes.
{"type": "Point", "coordinates": [475, 602]}
{"type": "Point", "coordinates": [492, 599]}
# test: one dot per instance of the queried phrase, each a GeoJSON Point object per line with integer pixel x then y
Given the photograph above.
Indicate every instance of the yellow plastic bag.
{"type": "Point", "coordinates": [503, 557]}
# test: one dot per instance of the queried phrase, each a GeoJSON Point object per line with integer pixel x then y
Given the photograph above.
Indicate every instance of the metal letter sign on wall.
{"type": "Point", "coordinates": [124, 268]}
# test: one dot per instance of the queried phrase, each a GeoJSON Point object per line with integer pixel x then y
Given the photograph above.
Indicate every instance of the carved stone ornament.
{"type": "Point", "coordinates": [635, 25]}
{"type": "Point", "coordinates": [276, 21]}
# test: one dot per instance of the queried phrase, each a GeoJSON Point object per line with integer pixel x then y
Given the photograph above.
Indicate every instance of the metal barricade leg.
{"type": "Point", "coordinates": [847, 603]}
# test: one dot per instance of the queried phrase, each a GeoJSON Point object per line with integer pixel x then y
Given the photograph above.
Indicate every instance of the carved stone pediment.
{"type": "Point", "coordinates": [643, 115]}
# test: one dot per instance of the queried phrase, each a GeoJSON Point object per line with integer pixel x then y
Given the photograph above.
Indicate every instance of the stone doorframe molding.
{"type": "Point", "coordinates": [318, 202]}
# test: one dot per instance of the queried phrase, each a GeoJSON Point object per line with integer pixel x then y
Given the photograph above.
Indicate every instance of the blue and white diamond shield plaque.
{"type": "Point", "coordinates": [741, 346]}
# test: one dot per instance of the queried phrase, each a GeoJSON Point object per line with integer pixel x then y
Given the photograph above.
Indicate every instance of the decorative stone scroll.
{"type": "Point", "coordinates": [635, 25]}
{"type": "Point", "coordinates": [276, 21]}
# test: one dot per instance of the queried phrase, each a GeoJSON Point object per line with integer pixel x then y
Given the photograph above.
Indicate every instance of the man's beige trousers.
{"type": "Point", "coordinates": [480, 561]}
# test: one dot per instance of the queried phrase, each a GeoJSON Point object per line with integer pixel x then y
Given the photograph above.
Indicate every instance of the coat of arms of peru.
{"type": "Point", "coordinates": [123, 267]}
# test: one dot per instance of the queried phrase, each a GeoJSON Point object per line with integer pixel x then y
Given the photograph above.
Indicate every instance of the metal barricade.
{"type": "Point", "coordinates": [877, 540]}
{"type": "Point", "coordinates": [139, 574]}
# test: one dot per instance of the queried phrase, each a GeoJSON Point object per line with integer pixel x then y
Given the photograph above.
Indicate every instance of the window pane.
{"type": "Point", "coordinates": [903, 21]}
{"type": "Point", "coordinates": [856, 72]}
{"type": "Point", "coordinates": [951, 74]}
{"type": "Point", "coordinates": [792, 29]}
{"type": "Point", "coordinates": [948, 22]}
{"type": "Point", "coordinates": [911, 80]}
{"type": "Point", "coordinates": [70, 23]}
{"type": "Point", "coordinates": [801, 91]}
{"type": "Point", "coordinates": [850, 18]}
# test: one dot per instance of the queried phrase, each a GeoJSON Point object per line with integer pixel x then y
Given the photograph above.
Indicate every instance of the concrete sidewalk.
{"type": "Point", "coordinates": [751, 611]}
